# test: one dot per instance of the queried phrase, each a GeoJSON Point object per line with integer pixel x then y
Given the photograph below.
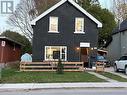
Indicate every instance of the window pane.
{"type": "Point", "coordinates": [56, 54]}
{"type": "Point", "coordinates": [53, 24]}
{"type": "Point", "coordinates": [63, 50]}
{"type": "Point", "coordinates": [79, 25]}
{"type": "Point", "coordinates": [48, 53]}
{"type": "Point", "coordinates": [123, 58]}
{"type": "Point", "coordinates": [63, 56]}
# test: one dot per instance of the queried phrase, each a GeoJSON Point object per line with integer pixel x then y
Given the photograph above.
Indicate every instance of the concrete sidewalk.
{"type": "Point", "coordinates": [29, 86]}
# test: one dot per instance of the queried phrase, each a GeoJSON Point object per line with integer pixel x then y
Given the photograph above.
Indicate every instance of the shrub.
{"type": "Point", "coordinates": [13, 65]}
{"type": "Point", "coordinates": [60, 67]}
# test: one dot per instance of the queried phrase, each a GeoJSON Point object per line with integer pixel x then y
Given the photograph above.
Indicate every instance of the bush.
{"type": "Point", "coordinates": [60, 67]}
{"type": "Point", "coordinates": [13, 65]}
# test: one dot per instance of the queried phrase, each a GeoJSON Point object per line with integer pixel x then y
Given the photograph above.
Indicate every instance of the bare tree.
{"type": "Point", "coordinates": [42, 5]}
{"type": "Point", "coordinates": [22, 16]}
{"type": "Point", "coordinates": [120, 9]}
{"type": "Point", "coordinates": [26, 11]}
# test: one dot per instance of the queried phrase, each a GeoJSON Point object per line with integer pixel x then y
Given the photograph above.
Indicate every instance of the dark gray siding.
{"type": "Point", "coordinates": [67, 14]}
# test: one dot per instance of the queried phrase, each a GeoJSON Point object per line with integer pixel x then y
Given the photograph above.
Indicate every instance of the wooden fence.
{"type": "Point", "coordinates": [51, 66]}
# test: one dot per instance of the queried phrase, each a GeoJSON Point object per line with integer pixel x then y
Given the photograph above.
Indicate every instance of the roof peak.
{"type": "Point", "coordinates": [99, 24]}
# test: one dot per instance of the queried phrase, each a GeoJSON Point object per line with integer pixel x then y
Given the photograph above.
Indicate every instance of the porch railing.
{"type": "Point", "coordinates": [51, 66]}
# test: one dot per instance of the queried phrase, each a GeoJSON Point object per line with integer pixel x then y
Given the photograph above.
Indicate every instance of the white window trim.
{"type": "Point", "coordinates": [79, 32]}
{"type": "Point", "coordinates": [53, 32]}
{"type": "Point", "coordinates": [60, 52]}
{"type": "Point", "coordinates": [50, 25]}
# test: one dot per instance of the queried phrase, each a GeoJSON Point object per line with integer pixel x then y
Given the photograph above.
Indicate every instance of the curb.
{"type": "Point", "coordinates": [33, 86]}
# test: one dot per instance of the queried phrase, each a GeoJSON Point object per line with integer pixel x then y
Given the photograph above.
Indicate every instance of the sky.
{"type": "Point", "coordinates": [106, 3]}
{"type": "Point", "coordinates": [4, 17]}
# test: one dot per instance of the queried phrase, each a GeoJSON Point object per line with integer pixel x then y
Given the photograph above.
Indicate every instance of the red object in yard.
{"type": "Point", "coordinates": [10, 50]}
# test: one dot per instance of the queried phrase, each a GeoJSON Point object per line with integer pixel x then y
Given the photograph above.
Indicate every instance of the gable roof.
{"type": "Point", "coordinates": [123, 25]}
{"type": "Point", "coordinates": [9, 39]}
{"type": "Point", "coordinates": [120, 28]}
{"type": "Point", "coordinates": [115, 30]}
{"type": "Point", "coordinates": [99, 24]}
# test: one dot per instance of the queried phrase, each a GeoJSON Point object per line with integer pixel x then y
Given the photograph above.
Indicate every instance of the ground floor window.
{"type": "Point", "coordinates": [55, 53]}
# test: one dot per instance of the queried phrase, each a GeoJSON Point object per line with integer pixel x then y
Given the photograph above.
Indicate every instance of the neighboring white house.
{"type": "Point", "coordinates": [118, 45]}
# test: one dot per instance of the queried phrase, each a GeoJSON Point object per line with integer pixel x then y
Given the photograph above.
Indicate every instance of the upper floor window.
{"type": "Point", "coordinates": [79, 25]}
{"type": "Point", "coordinates": [53, 24]}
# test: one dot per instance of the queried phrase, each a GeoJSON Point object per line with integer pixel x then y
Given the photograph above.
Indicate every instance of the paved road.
{"type": "Point", "coordinates": [88, 91]}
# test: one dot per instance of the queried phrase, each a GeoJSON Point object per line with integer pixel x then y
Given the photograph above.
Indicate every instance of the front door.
{"type": "Point", "coordinates": [85, 56]}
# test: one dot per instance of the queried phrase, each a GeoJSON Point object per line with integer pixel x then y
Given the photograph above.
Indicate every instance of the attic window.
{"type": "Point", "coordinates": [53, 24]}
{"type": "Point", "coordinates": [79, 25]}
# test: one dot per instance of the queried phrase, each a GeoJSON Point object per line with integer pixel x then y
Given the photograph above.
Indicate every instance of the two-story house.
{"type": "Point", "coordinates": [65, 31]}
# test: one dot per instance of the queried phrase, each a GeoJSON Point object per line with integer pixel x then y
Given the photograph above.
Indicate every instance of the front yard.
{"type": "Point", "coordinates": [13, 76]}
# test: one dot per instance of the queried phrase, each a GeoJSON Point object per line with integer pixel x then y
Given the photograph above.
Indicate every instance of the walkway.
{"type": "Point", "coordinates": [102, 77]}
{"type": "Point", "coordinates": [111, 70]}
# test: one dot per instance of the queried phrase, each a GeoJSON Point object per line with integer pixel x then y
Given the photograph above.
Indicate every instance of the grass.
{"type": "Point", "coordinates": [12, 76]}
{"type": "Point", "coordinates": [114, 77]}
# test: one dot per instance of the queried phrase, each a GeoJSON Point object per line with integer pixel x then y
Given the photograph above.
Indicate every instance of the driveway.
{"type": "Point", "coordinates": [111, 70]}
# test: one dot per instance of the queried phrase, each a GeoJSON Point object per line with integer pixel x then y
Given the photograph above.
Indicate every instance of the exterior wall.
{"type": "Point", "coordinates": [9, 53]}
{"type": "Point", "coordinates": [114, 48]}
{"type": "Point", "coordinates": [118, 46]}
{"type": "Point", "coordinates": [124, 43]}
{"type": "Point", "coordinates": [66, 14]}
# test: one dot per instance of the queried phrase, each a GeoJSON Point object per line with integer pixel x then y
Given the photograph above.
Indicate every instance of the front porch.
{"type": "Point", "coordinates": [74, 57]}
{"type": "Point", "coordinates": [78, 53]}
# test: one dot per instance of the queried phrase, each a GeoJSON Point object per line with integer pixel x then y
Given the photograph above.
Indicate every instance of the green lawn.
{"type": "Point", "coordinates": [115, 77]}
{"type": "Point", "coordinates": [12, 76]}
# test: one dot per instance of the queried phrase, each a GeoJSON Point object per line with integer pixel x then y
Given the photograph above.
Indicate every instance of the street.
{"type": "Point", "coordinates": [81, 91]}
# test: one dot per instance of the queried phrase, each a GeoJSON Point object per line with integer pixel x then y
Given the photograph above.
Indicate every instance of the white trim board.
{"type": "Point", "coordinates": [83, 44]}
{"type": "Point", "coordinates": [33, 22]}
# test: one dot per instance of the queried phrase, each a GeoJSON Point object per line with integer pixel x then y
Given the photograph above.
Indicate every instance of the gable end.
{"type": "Point", "coordinates": [99, 24]}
